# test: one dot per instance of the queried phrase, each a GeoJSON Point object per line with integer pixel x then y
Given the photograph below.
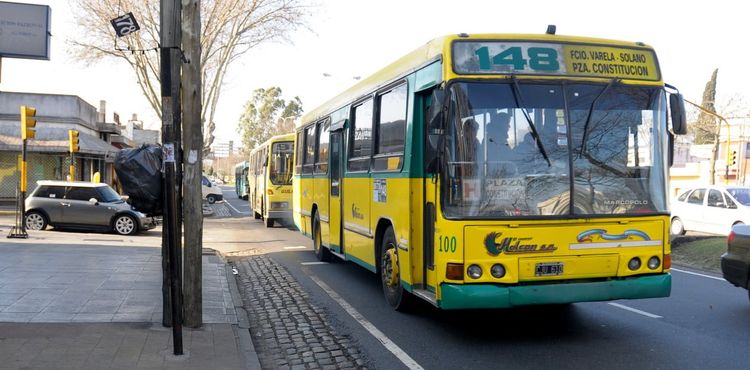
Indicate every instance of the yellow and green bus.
{"type": "Point", "coordinates": [270, 180]}
{"type": "Point", "coordinates": [497, 170]}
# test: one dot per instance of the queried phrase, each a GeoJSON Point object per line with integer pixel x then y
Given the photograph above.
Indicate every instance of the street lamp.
{"type": "Point", "coordinates": [325, 74]}
{"type": "Point", "coordinates": [726, 175]}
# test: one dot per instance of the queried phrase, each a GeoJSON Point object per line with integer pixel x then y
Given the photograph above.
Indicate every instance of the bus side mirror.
{"type": "Point", "coordinates": [677, 111]}
{"type": "Point", "coordinates": [435, 128]}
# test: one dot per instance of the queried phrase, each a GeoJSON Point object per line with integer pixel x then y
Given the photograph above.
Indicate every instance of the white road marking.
{"type": "Point", "coordinates": [387, 343]}
{"type": "Point", "coordinates": [697, 274]}
{"type": "Point", "coordinates": [296, 247]}
{"type": "Point", "coordinates": [631, 309]}
{"type": "Point", "coordinates": [235, 209]}
{"type": "Point", "coordinates": [313, 263]}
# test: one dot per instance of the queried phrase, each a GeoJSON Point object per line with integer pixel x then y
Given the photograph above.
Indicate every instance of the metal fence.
{"type": "Point", "coordinates": [46, 167]}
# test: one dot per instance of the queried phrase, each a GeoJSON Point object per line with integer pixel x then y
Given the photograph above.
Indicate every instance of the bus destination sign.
{"type": "Point", "coordinates": [544, 58]}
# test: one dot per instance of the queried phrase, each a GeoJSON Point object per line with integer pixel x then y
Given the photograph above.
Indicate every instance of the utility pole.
{"type": "Point", "coordinates": [193, 145]}
{"type": "Point", "coordinates": [170, 108]}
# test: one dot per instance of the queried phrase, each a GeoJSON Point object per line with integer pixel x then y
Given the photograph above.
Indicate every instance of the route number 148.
{"type": "Point", "coordinates": [539, 59]}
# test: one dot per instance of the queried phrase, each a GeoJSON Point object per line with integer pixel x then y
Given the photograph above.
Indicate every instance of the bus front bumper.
{"type": "Point", "coordinates": [280, 215]}
{"type": "Point", "coordinates": [466, 296]}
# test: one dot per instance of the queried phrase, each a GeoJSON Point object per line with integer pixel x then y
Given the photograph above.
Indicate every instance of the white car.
{"type": "Point", "coordinates": [711, 209]}
{"type": "Point", "coordinates": [211, 193]}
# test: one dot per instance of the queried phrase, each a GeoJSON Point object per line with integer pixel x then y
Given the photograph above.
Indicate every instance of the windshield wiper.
{"type": "Point", "coordinates": [591, 113]}
{"type": "Point", "coordinates": [534, 133]}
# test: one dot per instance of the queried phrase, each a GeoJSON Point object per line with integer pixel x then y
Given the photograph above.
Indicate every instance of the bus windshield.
{"type": "Point", "coordinates": [282, 154]}
{"type": "Point", "coordinates": [527, 149]}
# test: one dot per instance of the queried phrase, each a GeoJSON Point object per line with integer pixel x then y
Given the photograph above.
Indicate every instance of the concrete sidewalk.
{"type": "Point", "coordinates": [96, 305]}
{"type": "Point", "coordinates": [116, 346]}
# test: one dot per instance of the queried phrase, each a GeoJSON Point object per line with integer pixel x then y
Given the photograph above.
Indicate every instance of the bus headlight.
{"type": "Point", "coordinates": [653, 262]}
{"type": "Point", "coordinates": [634, 263]}
{"type": "Point", "coordinates": [279, 205]}
{"type": "Point", "coordinates": [474, 271]}
{"type": "Point", "coordinates": [497, 270]}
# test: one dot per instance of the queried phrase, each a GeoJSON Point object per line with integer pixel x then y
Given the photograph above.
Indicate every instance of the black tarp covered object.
{"type": "Point", "coordinates": [139, 173]}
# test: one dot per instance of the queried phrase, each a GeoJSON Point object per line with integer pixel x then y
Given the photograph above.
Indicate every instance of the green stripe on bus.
{"type": "Point", "coordinates": [361, 263]}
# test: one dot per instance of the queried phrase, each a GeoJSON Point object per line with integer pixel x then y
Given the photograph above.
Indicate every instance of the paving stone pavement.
{"type": "Point", "coordinates": [290, 332]}
{"type": "Point", "coordinates": [97, 283]}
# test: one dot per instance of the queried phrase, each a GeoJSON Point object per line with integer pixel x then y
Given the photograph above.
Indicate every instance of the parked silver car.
{"type": "Point", "coordinates": [711, 209]}
{"type": "Point", "coordinates": [82, 205]}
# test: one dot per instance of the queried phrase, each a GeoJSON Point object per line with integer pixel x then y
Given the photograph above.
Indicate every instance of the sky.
{"type": "Point", "coordinates": [350, 38]}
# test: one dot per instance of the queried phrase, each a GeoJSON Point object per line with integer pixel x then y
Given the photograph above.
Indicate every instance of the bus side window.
{"type": "Point", "coordinates": [321, 165]}
{"type": "Point", "coordinates": [361, 137]}
{"type": "Point", "coordinates": [309, 160]}
{"type": "Point", "coordinates": [391, 125]}
{"type": "Point", "coordinates": [298, 155]}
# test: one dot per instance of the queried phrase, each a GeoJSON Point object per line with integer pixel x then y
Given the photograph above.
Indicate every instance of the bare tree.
{"type": "Point", "coordinates": [230, 28]}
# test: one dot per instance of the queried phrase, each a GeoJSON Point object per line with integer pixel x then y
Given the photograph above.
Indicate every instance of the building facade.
{"type": "Point", "coordinates": [47, 154]}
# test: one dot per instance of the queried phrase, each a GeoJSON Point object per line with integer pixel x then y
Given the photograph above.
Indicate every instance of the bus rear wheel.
{"type": "Point", "coordinates": [321, 252]}
{"type": "Point", "coordinates": [394, 292]}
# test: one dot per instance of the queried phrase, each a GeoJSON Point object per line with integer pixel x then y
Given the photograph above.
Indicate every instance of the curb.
{"type": "Point", "coordinates": [242, 328]}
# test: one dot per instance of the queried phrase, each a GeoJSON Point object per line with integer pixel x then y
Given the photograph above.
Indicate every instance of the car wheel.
{"type": "Point", "coordinates": [125, 225]}
{"type": "Point", "coordinates": [269, 222]}
{"type": "Point", "coordinates": [395, 294]}
{"type": "Point", "coordinates": [321, 252]}
{"type": "Point", "coordinates": [35, 221]}
{"type": "Point", "coordinates": [211, 199]}
{"type": "Point", "coordinates": [677, 227]}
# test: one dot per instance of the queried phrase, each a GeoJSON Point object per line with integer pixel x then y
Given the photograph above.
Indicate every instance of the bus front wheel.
{"type": "Point", "coordinates": [390, 275]}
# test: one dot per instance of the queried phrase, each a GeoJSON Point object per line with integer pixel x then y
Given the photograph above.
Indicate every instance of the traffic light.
{"type": "Point", "coordinates": [73, 146]}
{"type": "Point", "coordinates": [734, 157]}
{"type": "Point", "coordinates": [28, 122]}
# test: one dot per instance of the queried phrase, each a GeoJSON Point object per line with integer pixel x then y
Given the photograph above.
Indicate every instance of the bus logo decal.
{"type": "Point", "coordinates": [595, 235]}
{"type": "Point", "coordinates": [356, 213]}
{"type": "Point", "coordinates": [514, 245]}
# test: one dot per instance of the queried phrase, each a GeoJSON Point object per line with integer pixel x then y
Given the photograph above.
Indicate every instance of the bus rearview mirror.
{"type": "Point", "coordinates": [677, 113]}
{"type": "Point", "coordinates": [435, 112]}
{"type": "Point", "coordinates": [435, 129]}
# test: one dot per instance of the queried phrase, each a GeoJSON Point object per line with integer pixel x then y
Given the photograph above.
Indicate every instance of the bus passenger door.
{"type": "Point", "coordinates": [430, 188]}
{"type": "Point", "coordinates": [334, 207]}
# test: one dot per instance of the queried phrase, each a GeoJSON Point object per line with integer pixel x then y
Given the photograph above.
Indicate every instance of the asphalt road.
{"type": "Point", "coordinates": [705, 323]}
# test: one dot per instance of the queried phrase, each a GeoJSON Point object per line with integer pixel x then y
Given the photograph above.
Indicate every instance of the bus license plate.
{"type": "Point", "coordinates": [549, 268]}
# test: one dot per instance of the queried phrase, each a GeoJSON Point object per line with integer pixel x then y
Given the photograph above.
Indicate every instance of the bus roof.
{"type": "Point", "coordinates": [273, 139]}
{"type": "Point", "coordinates": [432, 51]}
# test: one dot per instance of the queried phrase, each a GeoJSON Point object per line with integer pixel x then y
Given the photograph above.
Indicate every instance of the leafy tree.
{"type": "Point", "coordinates": [706, 128]}
{"type": "Point", "coordinates": [265, 115]}
{"type": "Point", "coordinates": [229, 29]}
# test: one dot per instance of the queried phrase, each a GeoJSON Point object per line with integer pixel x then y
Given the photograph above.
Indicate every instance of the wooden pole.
{"type": "Point", "coordinates": [193, 144]}
{"type": "Point", "coordinates": [171, 243]}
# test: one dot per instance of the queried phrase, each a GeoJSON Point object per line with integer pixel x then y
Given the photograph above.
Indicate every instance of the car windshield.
{"type": "Point", "coordinates": [741, 194]}
{"type": "Point", "coordinates": [527, 149]}
{"type": "Point", "coordinates": [108, 194]}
